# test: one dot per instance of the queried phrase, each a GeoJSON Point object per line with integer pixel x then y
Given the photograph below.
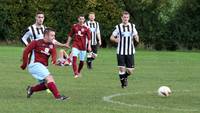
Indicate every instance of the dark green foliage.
{"type": "Point", "coordinates": [162, 24]}
{"type": "Point", "coordinates": [166, 24]}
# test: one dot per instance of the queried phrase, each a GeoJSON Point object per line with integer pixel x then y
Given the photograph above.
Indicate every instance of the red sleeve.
{"type": "Point", "coordinates": [88, 34]}
{"type": "Point", "coordinates": [26, 52]}
{"type": "Point", "coordinates": [71, 31]}
{"type": "Point", "coordinates": [53, 54]}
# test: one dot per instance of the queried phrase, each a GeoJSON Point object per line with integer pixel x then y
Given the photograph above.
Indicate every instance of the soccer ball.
{"type": "Point", "coordinates": [164, 91]}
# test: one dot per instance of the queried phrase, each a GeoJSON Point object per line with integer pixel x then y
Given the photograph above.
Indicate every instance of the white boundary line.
{"type": "Point", "coordinates": [109, 99]}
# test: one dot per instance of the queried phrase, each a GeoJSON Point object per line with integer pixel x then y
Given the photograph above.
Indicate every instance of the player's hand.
{"type": "Point", "coordinates": [116, 40]}
{"type": "Point", "coordinates": [53, 62]}
{"type": "Point", "coordinates": [67, 45]}
{"type": "Point", "coordinates": [23, 66]}
{"type": "Point", "coordinates": [89, 48]}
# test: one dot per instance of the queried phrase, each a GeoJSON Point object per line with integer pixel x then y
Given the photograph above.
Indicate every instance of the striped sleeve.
{"type": "Point", "coordinates": [98, 28]}
{"type": "Point", "coordinates": [134, 30]}
{"type": "Point", "coordinates": [116, 31]}
{"type": "Point", "coordinates": [26, 36]}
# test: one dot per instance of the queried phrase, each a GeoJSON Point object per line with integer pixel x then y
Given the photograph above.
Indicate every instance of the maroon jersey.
{"type": "Point", "coordinates": [42, 52]}
{"type": "Point", "coordinates": [80, 33]}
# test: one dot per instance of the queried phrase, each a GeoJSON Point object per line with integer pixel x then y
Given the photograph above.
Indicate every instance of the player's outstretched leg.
{"type": "Point", "coordinates": [52, 86]}
{"type": "Point", "coordinates": [39, 87]}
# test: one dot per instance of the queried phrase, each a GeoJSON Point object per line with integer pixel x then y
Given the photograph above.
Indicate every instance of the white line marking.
{"type": "Point", "coordinates": [109, 99]}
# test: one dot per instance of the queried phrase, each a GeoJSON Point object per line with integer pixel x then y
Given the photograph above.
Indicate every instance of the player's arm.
{"type": "Point", "coordinates": [68, 41]}
{"type": "Point", "coordinates": [89, 40]}
{"type": "Point", "coordinates": [26, 53]}
{"type": "Point", "coordinates": [99, 35]}
{"type": "Point", "coordinates": [53, 55]}
{"type": "Point", "coordinates": [135, 36]}
{"type": "Point", "coordinates": [70, 37]}
{"type": "Point", "coordinates": [58, 43]}
{"type": "Point", "coordinates": [113, 37]}
{"type": "Point", "coordinates": [135, 40]}
{"type": "Point", "coordinates": [25, 37]}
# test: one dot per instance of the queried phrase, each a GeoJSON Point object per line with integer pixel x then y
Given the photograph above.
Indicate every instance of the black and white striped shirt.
{"type": "Point", "coordinates": [125, 35]}
{"type": "Point", "coordinates": [32, 33]}
{"type": "Point", "coordinates": [94, 28]}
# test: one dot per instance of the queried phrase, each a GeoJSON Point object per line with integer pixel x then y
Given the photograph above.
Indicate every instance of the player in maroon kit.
{"type": "Point", "coordinates": [81, 37]}
{"type": "Point", "coordinates": [37, 66]}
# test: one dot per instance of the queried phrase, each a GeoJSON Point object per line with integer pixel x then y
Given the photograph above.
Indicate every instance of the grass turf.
{"type": "Point", "coordinates": [178, 70]}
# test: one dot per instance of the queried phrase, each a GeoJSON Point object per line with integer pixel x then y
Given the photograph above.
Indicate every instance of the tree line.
{"type": "Point", "coordinates": [162, 24]}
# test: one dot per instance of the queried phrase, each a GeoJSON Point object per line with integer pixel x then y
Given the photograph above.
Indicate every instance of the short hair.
{"type": "Point", "coordinates": [39, 12]}
{"type": "Point", "coordinates": [125, 13]}
{"type": "Point", "coordinates": [48, 29]}
{"type": "Point", "coordinates": [92, 13]}
{"type": "Point", "coordinates": [81, 15]}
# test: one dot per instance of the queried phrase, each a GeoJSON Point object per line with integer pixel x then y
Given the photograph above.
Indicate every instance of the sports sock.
{"type": "Point", "coordinates": [89, 63]}
{"type": "Point", "coordinates": [80, 66]}
{"type": "Point", "coordinates": [121, 77]}
{"type": "Point", "coordinates": [53, 88]}
{"type": "Point", "coordinates": [38, 87]}
{"type": "Point", "coordinates": [74, 65]}
{"type": "Point", "coordinates": [126, 75]}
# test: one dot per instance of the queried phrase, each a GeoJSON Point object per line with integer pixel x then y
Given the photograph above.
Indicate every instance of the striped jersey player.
{"type": "Point", "coordinates": [95, 38]}
{"type": "Point", "coordinates": [125, 35]}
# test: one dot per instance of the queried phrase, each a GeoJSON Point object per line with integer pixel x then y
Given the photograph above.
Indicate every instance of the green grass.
{"type": "Point", "coordinates": [178, 70]}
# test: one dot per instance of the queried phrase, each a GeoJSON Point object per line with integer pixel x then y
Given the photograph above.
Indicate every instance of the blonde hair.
{"type": "Point", "coordinates": [92, 13]}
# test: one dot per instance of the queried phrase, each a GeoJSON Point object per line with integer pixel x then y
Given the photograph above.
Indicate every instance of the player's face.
{"type": "Point", "coordinates": [91, 17]}
{"type": "Point", "coordinates": [51, 36]}
{"type": "Point", "coordinates": [125, 18]}
{"type": "Point", "coordinates": [39, 19]}
{"type": "Point", "coordinates": [81, 19]}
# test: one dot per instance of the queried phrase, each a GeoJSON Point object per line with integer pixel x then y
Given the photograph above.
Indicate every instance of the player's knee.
{"type": "Point", "coordinates": [130, 71]}
{"type": "Point", "coordinates": [122, 69]}
{"type": "Point", "coordinates": [62, 51]}
{"type": "Point", "coordinates": [49, 79]}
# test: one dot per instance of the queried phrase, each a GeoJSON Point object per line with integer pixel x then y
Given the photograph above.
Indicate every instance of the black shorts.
{"type": "Point", "coordinates": [126, 61]}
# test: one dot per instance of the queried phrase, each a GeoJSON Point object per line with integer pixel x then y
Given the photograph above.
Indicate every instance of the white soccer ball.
{"type": "Point", "coordinates": [164, 91]}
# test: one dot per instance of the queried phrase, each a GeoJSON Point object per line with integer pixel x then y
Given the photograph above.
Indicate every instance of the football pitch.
{"type": "Point", "coordinates": [99, 91]}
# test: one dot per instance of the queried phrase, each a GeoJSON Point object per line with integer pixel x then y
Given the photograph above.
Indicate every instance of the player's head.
{"type": "Point", "coordinates": [91, 16]}
{"type": "Point", "coordinates": [39, 17]}
{"type": "Point", "coordinates": [125, 17]}
{"type": "Point", "coordinates": [49, 34]}
{"type": "Point", "coordinates": [81, 19]}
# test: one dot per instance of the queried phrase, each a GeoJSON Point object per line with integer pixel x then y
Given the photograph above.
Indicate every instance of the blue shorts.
{"type": "Point", "coordinates": [38, 70]}
{"type": "Point", "coordinates": [76, 52]}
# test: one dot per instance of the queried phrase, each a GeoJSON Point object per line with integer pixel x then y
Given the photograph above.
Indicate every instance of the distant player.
{"type": "Point", "coordinates": [95, 38]}
{"type": "Point", "coordinates": [80, 34]}
{"type": "Point", "coordinates": [35, 31]}
{"type": "Point", "coordinates": [43, 49]}
{"type": "Point", "coordinates": [125, 35]}
{"type": "Point", "coordinates": [64, 58]}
